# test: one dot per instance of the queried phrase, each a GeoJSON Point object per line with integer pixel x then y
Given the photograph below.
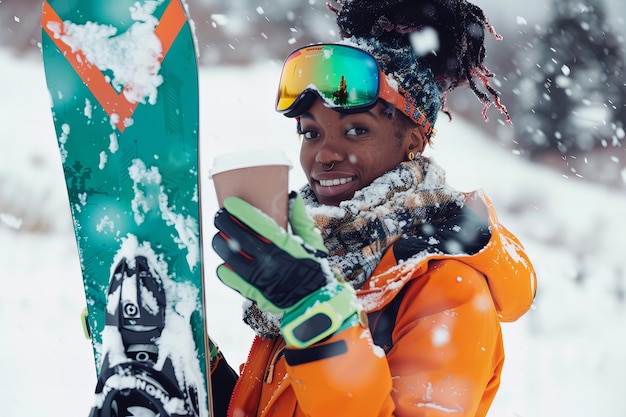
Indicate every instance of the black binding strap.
{"type": "Point", "coordinates": [135, 385]}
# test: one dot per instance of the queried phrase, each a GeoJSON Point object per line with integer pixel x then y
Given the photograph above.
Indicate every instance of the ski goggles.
{"type": "Point", "coordinates": [347, 79]}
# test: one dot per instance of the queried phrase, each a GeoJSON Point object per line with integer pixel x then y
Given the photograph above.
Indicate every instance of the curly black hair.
{"type": "Point", "coordinates": [460, 26]}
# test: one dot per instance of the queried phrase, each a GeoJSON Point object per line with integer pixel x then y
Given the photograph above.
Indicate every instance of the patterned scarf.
{"type": "Point", "coordinates": [359, 231]}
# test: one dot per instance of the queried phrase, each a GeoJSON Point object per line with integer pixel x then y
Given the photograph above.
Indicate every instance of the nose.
{"type": "Point", "coordinates": [329, 151]}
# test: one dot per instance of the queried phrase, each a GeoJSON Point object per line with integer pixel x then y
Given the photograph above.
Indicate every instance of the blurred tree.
{"type": "Point", "coordinates": [570, 87]}
{"type": "Point", "coordinates": [20, 24]}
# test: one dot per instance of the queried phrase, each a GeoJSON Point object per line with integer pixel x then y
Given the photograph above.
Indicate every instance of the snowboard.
{"type": "Point", "coordinates": [123, 82]}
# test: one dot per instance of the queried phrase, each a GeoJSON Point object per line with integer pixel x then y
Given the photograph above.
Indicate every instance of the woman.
{"type": "Point", "coordinates": [394, 309]}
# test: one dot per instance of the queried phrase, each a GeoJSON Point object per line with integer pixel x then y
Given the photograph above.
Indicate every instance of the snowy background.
{"type": "Point", "coordinates": [566, 357]}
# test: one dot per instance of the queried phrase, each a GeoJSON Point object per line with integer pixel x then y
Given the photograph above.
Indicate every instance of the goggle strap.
{"type": "Point", "coordinates": [408, 107]}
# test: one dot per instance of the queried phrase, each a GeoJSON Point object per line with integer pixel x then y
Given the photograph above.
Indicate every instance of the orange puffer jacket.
{"type": "Point", "coordinates": [445, 351]}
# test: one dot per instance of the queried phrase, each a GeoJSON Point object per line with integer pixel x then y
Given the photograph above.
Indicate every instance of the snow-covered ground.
{"type": "Point", "coordinates": [566, 357]}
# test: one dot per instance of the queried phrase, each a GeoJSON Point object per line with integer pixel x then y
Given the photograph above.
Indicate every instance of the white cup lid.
{"type": "Point", "coordinates": [248, 158]}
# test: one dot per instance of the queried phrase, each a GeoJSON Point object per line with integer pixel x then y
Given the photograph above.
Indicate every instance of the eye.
{"type": "Point", "coordinates": [310, 134]}
{"type": "Point", "coordinates": [356, 131]}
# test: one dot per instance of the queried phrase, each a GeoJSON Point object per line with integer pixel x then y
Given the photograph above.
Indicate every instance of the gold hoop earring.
{"type": "Point", "coordinates": [410, 156]}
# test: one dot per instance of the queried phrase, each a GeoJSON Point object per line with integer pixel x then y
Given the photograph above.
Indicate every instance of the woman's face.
{"type": "Point", "coordinates": [360, 147]}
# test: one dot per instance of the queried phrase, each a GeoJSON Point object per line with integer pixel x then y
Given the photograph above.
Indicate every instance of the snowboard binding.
{"type": "Point", "coordinates": [134, 387]}
{"type": "Point", "coordinates": [140, 311]}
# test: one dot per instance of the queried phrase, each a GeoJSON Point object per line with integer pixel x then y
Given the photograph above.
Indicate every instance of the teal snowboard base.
{"type": "Point", "coordinates": [122, 76]}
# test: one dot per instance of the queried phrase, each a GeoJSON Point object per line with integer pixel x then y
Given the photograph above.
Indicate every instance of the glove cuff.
{"type": "Point", "coordinates": [321, 314]}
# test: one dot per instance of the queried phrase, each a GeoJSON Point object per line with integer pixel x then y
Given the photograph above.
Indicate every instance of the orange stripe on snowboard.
{"type": "Point", "coordinates": [111, 101]}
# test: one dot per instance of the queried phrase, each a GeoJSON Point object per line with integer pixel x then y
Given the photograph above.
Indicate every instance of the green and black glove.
{"type": "Point", "coordinates": [284, 273]}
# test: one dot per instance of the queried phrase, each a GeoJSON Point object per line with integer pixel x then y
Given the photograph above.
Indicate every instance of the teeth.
{"type": "Point", "coordinates": [338, 181]}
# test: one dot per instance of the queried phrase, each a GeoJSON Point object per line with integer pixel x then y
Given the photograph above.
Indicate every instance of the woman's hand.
{"type": "Point", "coordinates": [282, 272]}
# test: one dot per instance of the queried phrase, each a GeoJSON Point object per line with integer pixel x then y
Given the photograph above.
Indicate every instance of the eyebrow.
{"type": "Point", "coordinates": [309, 115]}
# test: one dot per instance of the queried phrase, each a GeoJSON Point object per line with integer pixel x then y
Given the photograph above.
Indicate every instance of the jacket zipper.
{"type": "Point", "coordinates": [237, 388]}
{"type": "Point", "coordinates": [269, 375]}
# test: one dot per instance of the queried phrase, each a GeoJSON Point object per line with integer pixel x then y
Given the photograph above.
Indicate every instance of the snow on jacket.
{"type": "Point", "coordinates": [441, 355]}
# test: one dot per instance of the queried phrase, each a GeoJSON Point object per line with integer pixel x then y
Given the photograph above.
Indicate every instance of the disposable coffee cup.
{"type": "Point", "coordinates": [260, 177]}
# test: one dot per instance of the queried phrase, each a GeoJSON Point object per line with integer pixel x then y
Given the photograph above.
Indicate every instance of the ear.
{"type": "Point", "coordinates": [417, 140]}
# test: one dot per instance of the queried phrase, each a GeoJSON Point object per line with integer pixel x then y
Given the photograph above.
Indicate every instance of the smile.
{"type": "Point", "coordinates": [336, 181]}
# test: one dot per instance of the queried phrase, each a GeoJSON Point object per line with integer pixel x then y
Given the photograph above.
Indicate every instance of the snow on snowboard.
{"type": "Point", "coordinates": [122, 76]}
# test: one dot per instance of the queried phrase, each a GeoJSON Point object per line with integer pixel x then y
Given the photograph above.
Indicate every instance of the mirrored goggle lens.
{"type": "Point", "coordinates": [343, 76]}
